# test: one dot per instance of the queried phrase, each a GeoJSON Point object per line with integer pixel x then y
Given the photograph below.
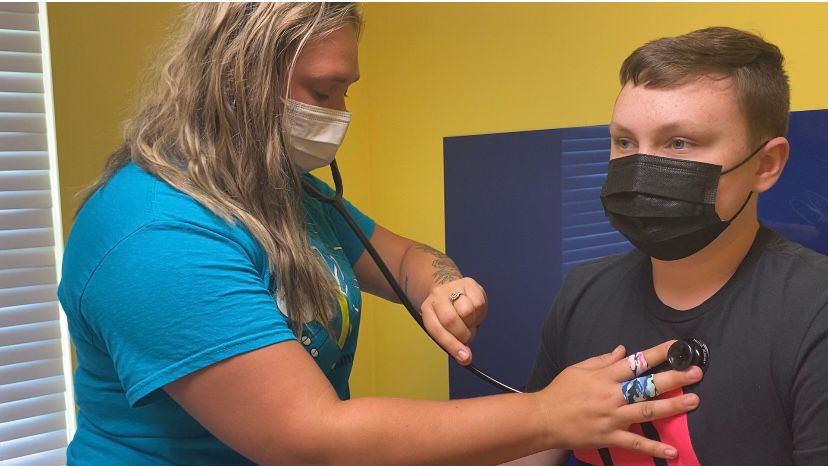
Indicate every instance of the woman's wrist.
{"type": "Point", "coordinates": [549, 436]}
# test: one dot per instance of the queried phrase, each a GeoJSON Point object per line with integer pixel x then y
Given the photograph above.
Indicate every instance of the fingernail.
{"type": "Point", "coordinates": [695, 375]}
{"type": "Point", "coordinates": [618, 348]}
{"type": "Point", "coordinates": [691, 401]}
{"type": "Point", "coordinates": [463, 355]}
{"type": "Point", "coordinates": [670, 452]}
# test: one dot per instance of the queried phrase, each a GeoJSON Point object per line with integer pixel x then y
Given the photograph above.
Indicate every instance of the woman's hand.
{"type": "Point", "coordinates": [586, 408]}
{"type": "Point", "coordinates": [451, 306]}
{"type": "Point", "coordinates": [451, 314]}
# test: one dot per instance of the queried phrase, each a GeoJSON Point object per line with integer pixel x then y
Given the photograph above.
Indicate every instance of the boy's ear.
{"type": "Point", "coordinates": [772, 160]}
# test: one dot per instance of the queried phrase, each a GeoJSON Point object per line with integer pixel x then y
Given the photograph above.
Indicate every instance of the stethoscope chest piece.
{"type": "Point", "coordinates": [688, 352]}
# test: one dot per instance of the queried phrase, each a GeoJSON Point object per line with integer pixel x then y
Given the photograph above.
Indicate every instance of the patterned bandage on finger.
{"type": "Point", "coordinates": [639, 389]}
{"type": "Point", "coordinates": [638, 365]}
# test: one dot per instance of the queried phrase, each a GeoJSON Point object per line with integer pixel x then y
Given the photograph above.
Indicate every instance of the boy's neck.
{"type": "Point", "coordinates": [686, 283]}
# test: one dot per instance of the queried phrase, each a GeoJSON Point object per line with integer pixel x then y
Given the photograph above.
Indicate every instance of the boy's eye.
{"type": "Point", "coordinates": [678, 144]}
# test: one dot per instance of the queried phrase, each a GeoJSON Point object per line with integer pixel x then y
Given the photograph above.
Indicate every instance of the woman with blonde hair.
{"type": "Point", "coordinates": [215, 308]}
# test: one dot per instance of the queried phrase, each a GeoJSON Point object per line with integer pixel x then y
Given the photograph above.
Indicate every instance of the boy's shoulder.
{"type": "Point", "coordinates": [784, 250]}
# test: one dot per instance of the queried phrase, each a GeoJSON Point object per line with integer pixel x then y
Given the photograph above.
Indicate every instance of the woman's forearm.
{"type": "Point", "coordinates": [478, 431]}
{"type": "Point", "coordinates": [422, 268]}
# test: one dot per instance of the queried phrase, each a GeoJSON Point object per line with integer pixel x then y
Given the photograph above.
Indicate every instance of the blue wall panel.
{"type": "Point", "coordinates": [797, 206]}
{"type": "Point", "coordinates": [503, 203]}
{"type": "Point", "coordinates": [586, 234]}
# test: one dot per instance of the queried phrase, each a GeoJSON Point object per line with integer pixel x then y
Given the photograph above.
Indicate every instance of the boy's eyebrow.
{"type": "Point", "coordinates": [616, 128]}
{"type": "Point", "coordinates": [673, 126]}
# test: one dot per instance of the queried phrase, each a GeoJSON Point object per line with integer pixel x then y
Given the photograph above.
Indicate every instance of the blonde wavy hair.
{"type": "Point", "coordinates": [212, 125]}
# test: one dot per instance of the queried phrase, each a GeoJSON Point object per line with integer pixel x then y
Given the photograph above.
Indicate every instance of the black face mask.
{"type": "Point", "coordinates": [666, 207]}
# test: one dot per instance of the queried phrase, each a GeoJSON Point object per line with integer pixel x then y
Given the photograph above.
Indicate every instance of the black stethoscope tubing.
{"type": "Point", "coordinates": [336, 201]}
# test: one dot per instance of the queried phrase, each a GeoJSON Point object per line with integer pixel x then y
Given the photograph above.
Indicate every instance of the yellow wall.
{"type": "Point", "coordinates": [429, 71]}
{"type": "Point", "coordinates": [98, 51]}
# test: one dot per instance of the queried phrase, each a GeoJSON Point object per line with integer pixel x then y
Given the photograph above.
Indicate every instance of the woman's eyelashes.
{"type": "Point", "coordinates": [328, 96]}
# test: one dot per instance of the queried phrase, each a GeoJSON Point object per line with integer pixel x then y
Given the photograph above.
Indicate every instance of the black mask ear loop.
{"type": "Point", "coordinates": [746, 160]}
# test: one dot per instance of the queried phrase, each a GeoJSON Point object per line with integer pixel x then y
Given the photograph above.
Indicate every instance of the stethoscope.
{"type": "Point", "coordinates": [336, 201]}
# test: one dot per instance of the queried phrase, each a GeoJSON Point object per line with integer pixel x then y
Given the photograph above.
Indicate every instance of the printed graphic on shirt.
{"type": "Point", "coordinates": [672, 431]}
{"type": "Point", "coordinates": [343, 311]}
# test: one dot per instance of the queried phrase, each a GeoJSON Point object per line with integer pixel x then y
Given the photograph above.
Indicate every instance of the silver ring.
{"type": "Point", "coordinates": [455, 295]}
{"type": "Point", "coordinates": [639, 389]}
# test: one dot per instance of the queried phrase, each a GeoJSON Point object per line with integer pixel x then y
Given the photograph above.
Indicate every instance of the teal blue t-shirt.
{"type": "Point", "coordinates": [156, 287]}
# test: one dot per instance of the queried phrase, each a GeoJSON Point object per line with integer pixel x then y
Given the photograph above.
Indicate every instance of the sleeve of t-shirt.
{"type": "Point", "coordinates": [173, 298]}
{"type": "Point", "coordinates": [546, 367]}
{"type": "Point", "coordinates": [351, 244]}
{"type": "Point", "coordinates": [810, 396]}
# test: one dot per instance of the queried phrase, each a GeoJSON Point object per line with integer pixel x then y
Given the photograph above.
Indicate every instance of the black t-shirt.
{"type": "Point", "coordinates": [764, 397]}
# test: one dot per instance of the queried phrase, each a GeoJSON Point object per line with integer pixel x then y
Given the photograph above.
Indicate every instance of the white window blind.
{"type": "Point", "coordinates": [36, 399]}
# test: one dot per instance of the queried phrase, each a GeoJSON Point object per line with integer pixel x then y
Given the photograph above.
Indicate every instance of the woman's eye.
{"type": "Point", "coordinates": [623, 144]}
{"type": "Point", "coordinates": [320, 96]}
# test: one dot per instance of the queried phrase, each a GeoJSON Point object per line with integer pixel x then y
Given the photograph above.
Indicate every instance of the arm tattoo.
{"type": "Point", "coordinates": [446, 268]}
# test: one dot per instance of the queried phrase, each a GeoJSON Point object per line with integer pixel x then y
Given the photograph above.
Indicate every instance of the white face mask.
{"type": "Point", "coordinates": [315, 134]}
